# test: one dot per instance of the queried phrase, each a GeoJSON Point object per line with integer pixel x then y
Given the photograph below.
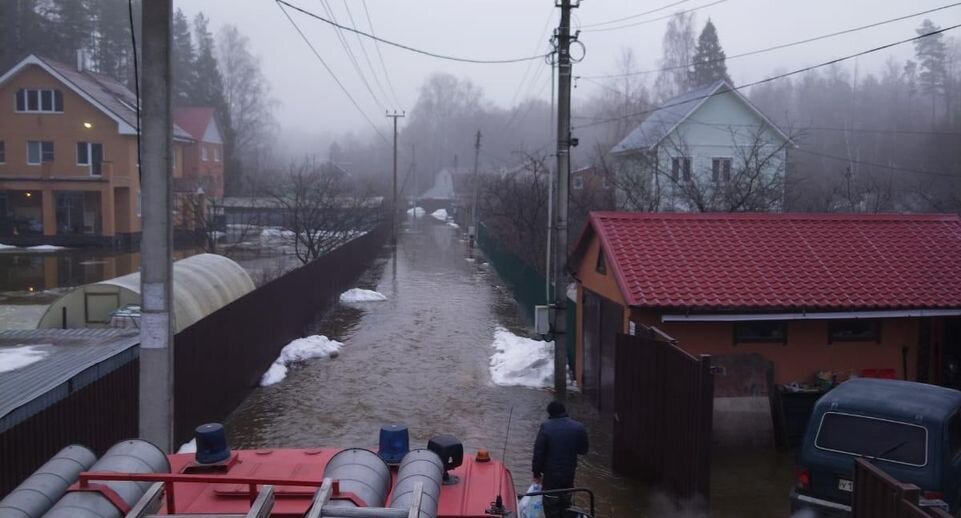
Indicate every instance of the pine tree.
{"type": "Point", "coordinates": [184, 68]}
{"type": "Point", "coordinates": [677, 52]}
{"type": "Point", "coordinates": [709, 58]}
{"type": "Point", "coordinates": [23, 30]}
{"type": "Point", "coordinates": [932, 74]}
{"type": "Point", "coordinates": [73, 26]}
{"type": "Point", "coordinates": [209, 88]}
{"type": "Point", "coordinates": [114, 48]}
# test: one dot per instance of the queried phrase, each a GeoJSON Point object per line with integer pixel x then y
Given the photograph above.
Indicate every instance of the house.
{"type": "Point", "coordinates": [68, 156]}
{"type": "Point", "coordinates": [203, 158]}
{"type": "Point", "coordinates": [851, 294]}
{"type": "Point", "coordinates": [709, 149]}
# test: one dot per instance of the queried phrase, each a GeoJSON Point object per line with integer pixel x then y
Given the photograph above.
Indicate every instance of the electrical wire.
{"type": "Point", "coordinates": [406, 47]}
{"type": "Point", "coordinates": [874, 164]}
{"type": "Point", "coordinates": [633, 16]}
{"type": "Point", "coordinates": [363, 49]}
{"type": "Point", "coordinates": [383, 65]}
{"type": "Point", "coordinates": [136, 84]}
{"type": "Point", "coordinates": [779, 47]}
{"type": "Point", "coordinates": [659, 18]}
{"type": "Point", "coordinates": [332, 74]}
{"type": "Point", "coordinates": [353, 58]}
{"type": "Point", "coordinates": [776, 77]}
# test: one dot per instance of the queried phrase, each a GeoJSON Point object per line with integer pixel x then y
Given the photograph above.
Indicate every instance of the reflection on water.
{"type": "Point", "coordinates": [421, 358]}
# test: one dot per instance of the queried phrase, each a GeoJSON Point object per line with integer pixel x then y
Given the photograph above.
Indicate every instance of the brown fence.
{"type": "Point", "coordinates": [218, 360]}
{"type": "Point", "coordinates": [98, 415]}
{"type": "Point", "coordinates": [663, 399]}
{"type": "Point", "coordinates": [878, 495]}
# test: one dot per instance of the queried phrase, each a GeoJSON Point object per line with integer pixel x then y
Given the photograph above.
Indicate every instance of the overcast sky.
{"type": "Point", "coordinates": [311, 102]}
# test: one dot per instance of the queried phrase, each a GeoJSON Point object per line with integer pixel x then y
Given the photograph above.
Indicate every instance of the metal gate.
{"type": "Point", "coordinates": [879, 495]}
{"type": "Point", "coordinates": [664, 399]}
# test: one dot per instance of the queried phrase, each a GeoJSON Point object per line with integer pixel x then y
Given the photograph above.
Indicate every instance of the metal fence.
{"type": "Point", "coordinates": [663, 399]}
{"type": "Point", "coordinates": [879, 495]}
{"type": "Point", "coordinates": [218, 360]}
{"type": "Point", "coordinates": [98, 415]}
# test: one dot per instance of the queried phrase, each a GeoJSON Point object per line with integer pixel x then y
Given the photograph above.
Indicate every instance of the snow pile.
{"type": "Point", "coordinates": [359, 295]}
{"type": "Point", "coordinates": [19, 357]}
{"type": "Point", "coordinates": [46, 248]}
{"type": "Point", "coordinates": [440, 214]}
{"type": "Point", "coordinates": [188, 447]}
{"type": "Point", "coordinates": [416, 212]}
{"type": "Point", "coordinates": [301, 349]}
{"type": "Point", "coordinates": [519, 361]}
{"type": "Point", "coordinates": [6, 247]}
{"type": "Point", "coordinates": [452, 224]}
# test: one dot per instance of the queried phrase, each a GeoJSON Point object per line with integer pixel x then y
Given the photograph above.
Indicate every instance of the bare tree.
{"type": "Point", "coordinates": [214, 233]}
{"type": "Point", "coordinates": [321, 207]}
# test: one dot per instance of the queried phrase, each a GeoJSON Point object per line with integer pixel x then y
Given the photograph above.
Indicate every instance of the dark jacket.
{"type": "Point", "coordinates": [559, 441]}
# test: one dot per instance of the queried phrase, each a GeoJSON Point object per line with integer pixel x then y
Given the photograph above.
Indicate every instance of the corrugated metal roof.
{"type": "Point", "coordinates": [76, 358]}
{"type": "Point", "coordinates": [660, 122]}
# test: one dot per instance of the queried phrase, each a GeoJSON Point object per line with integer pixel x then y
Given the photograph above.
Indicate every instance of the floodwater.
{"type": "Point", "coordinates": [421, 359]}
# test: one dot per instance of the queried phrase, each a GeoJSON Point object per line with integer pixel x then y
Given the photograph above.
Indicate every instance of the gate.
{"type": "Point", "coordinates": [879, 495]}
{"type": "Point", "coordinates": [663, 402]}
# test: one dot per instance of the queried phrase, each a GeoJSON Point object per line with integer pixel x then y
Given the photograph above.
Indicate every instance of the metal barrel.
{"type": "Point", "coordinates": [419, 466]}
{"type": "Point", "coordinates": [133, 456]}
{"type": "Point", "coordinates": [37, 494]}
{"type": "Point", "coordinates": [361, 472]}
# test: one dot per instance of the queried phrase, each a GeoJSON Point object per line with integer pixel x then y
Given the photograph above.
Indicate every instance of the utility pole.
{"type": "Point", "coordinates": [563, 37]}
{"type": "Point", "coordinates": [394, 206]}
{"type": "Point", "coordinates": [156, 288]}
{"type": "Point", "coordinates": [473, 210]}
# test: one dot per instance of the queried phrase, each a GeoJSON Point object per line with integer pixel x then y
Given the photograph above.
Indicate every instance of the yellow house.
{"type": "Point", "coordinates": [68, 156]}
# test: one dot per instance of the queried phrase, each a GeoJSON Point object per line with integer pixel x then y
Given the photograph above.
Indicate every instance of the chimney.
{"type": "Point", "coordinates": [80, 60]}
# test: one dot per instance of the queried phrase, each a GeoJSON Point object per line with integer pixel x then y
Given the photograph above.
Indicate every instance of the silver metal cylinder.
{"type": "Point", "coordinates": [419, 466]}
{"type": "Point", "coordinates": [134, 456]}
{"type": "Point", "coordinates": [41, 490]}
{"type": "Point", "coordinates": [361, 472]}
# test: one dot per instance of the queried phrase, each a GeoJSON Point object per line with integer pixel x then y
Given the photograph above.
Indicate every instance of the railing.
{"type": "Point", "coordinates": [879, 495]}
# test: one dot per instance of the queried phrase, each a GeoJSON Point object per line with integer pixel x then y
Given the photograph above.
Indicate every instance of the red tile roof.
{"type": "Point", "coordinates": [194, 119]}
{"type": "Point", "coordinates": [781, 261]}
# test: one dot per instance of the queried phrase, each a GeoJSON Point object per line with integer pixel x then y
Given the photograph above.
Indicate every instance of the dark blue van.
{"type": "Point", "coordinates": [911, 430]}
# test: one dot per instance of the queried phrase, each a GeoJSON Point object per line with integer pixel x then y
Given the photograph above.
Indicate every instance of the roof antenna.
{"type": "Point", "coordinates": [497, 506]}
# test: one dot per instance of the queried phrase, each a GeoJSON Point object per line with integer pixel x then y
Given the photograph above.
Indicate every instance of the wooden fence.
{"type": "Point", "coordinates": [664, 401]}
{"type": "Point", "coordinates": [878, 495]}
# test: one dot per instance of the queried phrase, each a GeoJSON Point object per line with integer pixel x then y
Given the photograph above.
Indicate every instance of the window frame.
{"type": "Point", "coordinates": [720, 173]}
{"type": "Point", "coordinates": [927, 449]}
{"type": "Point", "coordinates": [874, 338]}
{"type": "Point", "coordinates": [755, 340]}
{"type": "Point", "coordinates": [53, 97]}
{"type": "Point", "coordinates": [89, 147]}
{"type": "Point", "coordinates": [216, 153]}
{"type": "Point", "coordinates": [681, 168]}
{"type": "Point", "coordinates": [3, 152]}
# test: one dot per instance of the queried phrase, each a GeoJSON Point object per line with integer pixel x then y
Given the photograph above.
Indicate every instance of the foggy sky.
{"type": "Point", "coordinates": [310, 103]}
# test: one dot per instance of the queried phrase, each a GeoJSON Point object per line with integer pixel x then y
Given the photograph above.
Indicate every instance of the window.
{"type": "Point", "coordinates": [91, 154]}
{"type": "Point", "coordinates": [854, 331]}
{"type": "Point", "coordinates": [3, 153]}
{"type": "Point", "coordinates": [216, 154]}
{"type": "Point", "coordinates": [721, 169]}
{"type": "Point", "coordinates": [39, 151]}
{"type": "Point", "coordinates": [681, 166]}
{"type": "Point", "coordinates": [578, 183]}
{"type": "Point", "coordinates": [39, 100]}
{"type": "Point", "coordinates": [892, 441]}
{"type": "Point", "coordinates": [601, 266]}
{"type": "Point", "coordinates": [760, 331]}
{"type": "Point", "coordinates": [203, 152]}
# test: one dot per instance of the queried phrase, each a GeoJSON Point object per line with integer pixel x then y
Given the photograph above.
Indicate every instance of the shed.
{"type": "Point", "coordinates": [202, 284]}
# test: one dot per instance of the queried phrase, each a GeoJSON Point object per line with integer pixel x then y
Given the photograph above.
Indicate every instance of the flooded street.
{"type": "Point", "coordinates": [421, 359]}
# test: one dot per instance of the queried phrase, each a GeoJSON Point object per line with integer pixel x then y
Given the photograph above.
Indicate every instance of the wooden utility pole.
{"type": "Point", "coordinates": [473, 210]}
{"type": "Point", "coordinates": [563, 42]}
{"type": "Point", "coordinates": [156, 248]}
{"type": "Point", "coordinates": [394, 207]}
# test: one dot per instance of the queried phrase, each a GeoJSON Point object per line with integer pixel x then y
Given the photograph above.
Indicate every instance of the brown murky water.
{"type": "Point", "coordinates": [421, 359]}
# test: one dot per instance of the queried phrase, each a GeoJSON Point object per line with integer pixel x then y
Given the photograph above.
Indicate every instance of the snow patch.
{"type": "Point", "coordinates": [7, 247]}
{"type": "Point", "coordinates": [188, 447]}
{"type": "Point", "coordinates": [301, 349]}
{"type": "Point", "coordinates": [360, 295]}
{"type": "Point", "coordinates": [469, 259]}
{"type": "Point", "coordinates": [416, 212]}
{"type": "Point", "coordinates": [21, 356]}
{"type": "Point", "coordinates": [46, 248]}
{"type": "Point", "coordinates": [452, 224]}
{"type": "Point", "coordinates": [440, 214]}
{"type": "Point", "coordinates": [522, 362]}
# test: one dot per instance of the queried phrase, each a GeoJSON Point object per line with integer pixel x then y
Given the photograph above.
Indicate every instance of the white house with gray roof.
{"type": "Point", "coordinates": [709, 149]}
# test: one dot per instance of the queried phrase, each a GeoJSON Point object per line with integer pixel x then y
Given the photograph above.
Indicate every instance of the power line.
{"type": "Point", "coordinates": [405, 47]}
{"type": "Point", "coordinates": [778, 47]}
{"type": "Point", "coordinates": [370, 66]}
{"type": "Point", "coordinates": [353, 58]}
{"type": "Point", "coordinates": [383, 65]}
{"type": "Point", "coordinates": [332, 74]}
{"type": "Point", "coordinates": [776, 77]}
{"type": "Point", "coordinates": [652, 20]}
{"type": "Point", "coordinates": [874, 164]}
{"type": "Point", "coordinates": [633, 16]}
